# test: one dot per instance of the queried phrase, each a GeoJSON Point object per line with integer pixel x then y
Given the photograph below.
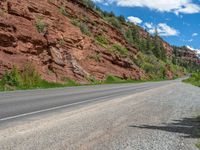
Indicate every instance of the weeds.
{"type": "Point", "coordinates": [119, 49]}
{"type": "Point", "coordinates": [194, 79]}
{"type": "Point", "coordinates": [41, 26]}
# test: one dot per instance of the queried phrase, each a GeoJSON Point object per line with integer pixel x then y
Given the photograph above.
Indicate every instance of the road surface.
{"type": "Point", "coordinates": [145, 116]}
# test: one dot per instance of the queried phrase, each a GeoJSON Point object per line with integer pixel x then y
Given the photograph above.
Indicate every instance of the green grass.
{"type": "Point", "coordinates": [119, 49]}
{"type": "Point", "coordinates": [194, 79]}
{"type": "Point", "coordinates": [41, 26]}
{"type": "Point", "coordinates": [110, 79]}
{"type": "Point", "coordinates": [83, 27]}
{"type": "Point", "coordinates": [102, 41]}
{"type": "Point", "coordinates": [28, 78]}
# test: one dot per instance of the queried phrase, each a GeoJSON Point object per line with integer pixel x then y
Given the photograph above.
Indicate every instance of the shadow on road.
{"type": "Point", "coordinates": [188, 127]}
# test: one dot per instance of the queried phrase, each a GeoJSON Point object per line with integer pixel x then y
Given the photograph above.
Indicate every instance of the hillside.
{"type": "Point", "coordinates": [72, 39]}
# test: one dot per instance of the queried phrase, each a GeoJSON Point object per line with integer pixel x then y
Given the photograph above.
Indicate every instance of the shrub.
{"type": "Point", "coordinates": [115, 22]}
{"type": "Point", "coordinates": [119, 49]}
{"type": "Point", "coordinates": [194, 79]}
{"type": "Point", "coordinates": [83, 27]}
{"type": "Point", "coordinates": [89, 3]}
{"type": "Point", "coordinates": [63, 11]}
{"type": "Point", "coordinates": [30, 77]}
{"type": "Point", "coordinates": [113, 79]}
{"type": "Point", "coordinates": [101, 40]}
{"type": "Point", "coordinates": [41, 26]}
{"type": "Point", "coordinates": [11, 79]}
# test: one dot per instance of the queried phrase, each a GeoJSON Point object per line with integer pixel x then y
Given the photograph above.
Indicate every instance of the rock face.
{"type": "Point", "coordinates": [36, 31]}
{"type": "Point", "coordinates": [43, 32]}
{"type": "Point", "coordinates": [185, 55]}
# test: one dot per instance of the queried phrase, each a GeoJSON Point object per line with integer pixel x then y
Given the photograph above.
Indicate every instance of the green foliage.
{"type": "Point", "coordinates": [113, 79]}
{"type": "Point", "coordinates": [63, 11]}
{"type": "Point", "coordinates": [28, 78]}
{"type": "Point", "coordinates": [122, 19]}
{"type": "Point", "coordinates": [89, 3]}
{"type": "Point", "coordinates": [178, 59]}
{"type": "Point", "coordinates": [158, 49]}
{"type": "Point", "coordinates": [114, 22]}
{"type": "Point", "coordinates": [154, 67]}
{"type": "Point", "coordinates": [11, 78]}
{"type": "Point", "coordinates": [119, 49]}
{"type": "Point", "coordinates": [194, 79]}
{"type": "Point", "coordinates": [69, 82]}
{"type": "Point", "coordinates": [132, 36]}
{"type": "Point", "coordinates": [83, 27]}
{"type": "Point", "coordinates": [41, 26]}
{"type": "Point", "coordinates": [102, 40]}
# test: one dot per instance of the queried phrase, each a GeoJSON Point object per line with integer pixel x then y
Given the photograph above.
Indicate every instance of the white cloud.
{"type": "Point", "coordinates": [134, 20]}
{"type": "Point", "coordinates": [190, 40]}
{"type": "Point", "coordinates": [195, 34]}
{"type": "Point", "coordinates": [148, 25]}
{"type": "Point", "coordinates": [193, 49]}
{"type": "Point", "coordinates": [162, 28]}
{"type": "Point", "coordinates": [176, 6]}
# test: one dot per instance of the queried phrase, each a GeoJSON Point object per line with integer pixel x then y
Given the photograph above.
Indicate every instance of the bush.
{"type": "Point", "coordinates": [113, 79]}
{"type": "Point", "coordinates": [153, 67]}
{"type": "Point", "coordinates": [83, 27]}
{"type": "Point", "coordinates": [30, 77]}
{"type": "Point", "coordinates": [101, 40]}
{"type": "Point", "coordinates": [41, 26]}
{"type": "Point", "coordinates": [119, 49]}
{"type": "Point", "coordinates": [114, 22]}
{"type": "Point", "coordinates": [194, 79]}
{"type": "Point", "coordinates": [11, 79]}
{"type": "Point", "coordinates": [89, 3]}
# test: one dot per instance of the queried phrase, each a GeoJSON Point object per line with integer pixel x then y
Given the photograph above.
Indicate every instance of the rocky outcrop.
{"type": "Point", "coordinates": [50, 35]}
{"type": "Point", "coordinates": [186, 55]}
{"type": "Point", "coordinates": [38, 32]}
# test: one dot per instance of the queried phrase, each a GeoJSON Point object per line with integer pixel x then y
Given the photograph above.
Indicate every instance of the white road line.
{"type": "Point", "coordinates": [50, 109]}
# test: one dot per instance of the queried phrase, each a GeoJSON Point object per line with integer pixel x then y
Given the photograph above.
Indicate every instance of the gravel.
{"type": "Point", "coordinates": [157, 119]}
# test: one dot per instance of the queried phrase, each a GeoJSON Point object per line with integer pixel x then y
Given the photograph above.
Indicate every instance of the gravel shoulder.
{"type": "Point", "coordinates": [157, 119]}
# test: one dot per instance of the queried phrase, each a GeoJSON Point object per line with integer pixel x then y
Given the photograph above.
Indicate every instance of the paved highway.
{"type": "Point", "coordinates": [24, 103]}
{"type": "Point", "coordinates": [145, 116]}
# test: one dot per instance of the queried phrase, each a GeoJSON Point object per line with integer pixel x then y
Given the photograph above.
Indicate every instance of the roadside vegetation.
{"type": "Point", "coordinates": [151, 58]}
{"type": "Point", "coordinates": [194, 79]}
{"type": "Point", "coordinates": [28, 78]}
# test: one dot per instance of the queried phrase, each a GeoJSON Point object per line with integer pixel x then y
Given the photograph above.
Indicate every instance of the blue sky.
{"type": "Point", "coordinates": [178, 21]}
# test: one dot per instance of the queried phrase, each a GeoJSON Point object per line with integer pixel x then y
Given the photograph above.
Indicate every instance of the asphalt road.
{"type": "Point", "coordinates": [145, 116]}
{"type": "Point", "coordinates": [14, 105]}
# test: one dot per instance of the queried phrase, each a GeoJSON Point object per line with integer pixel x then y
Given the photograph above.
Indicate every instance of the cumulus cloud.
{"type": "Point", "coordinates": [162, 28]}
{"type": "Point", "coordinates": [195, 34]}
{"type": "Point", "coordinates": [134, 20]}
{"type": "Point", "coordinates": [176, 6]}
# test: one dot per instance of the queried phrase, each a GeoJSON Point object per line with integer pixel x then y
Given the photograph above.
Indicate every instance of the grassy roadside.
{"type": "Point", "coordinates": [28, 78]}
{"type": "Point", "coordinates": [194, 79]}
